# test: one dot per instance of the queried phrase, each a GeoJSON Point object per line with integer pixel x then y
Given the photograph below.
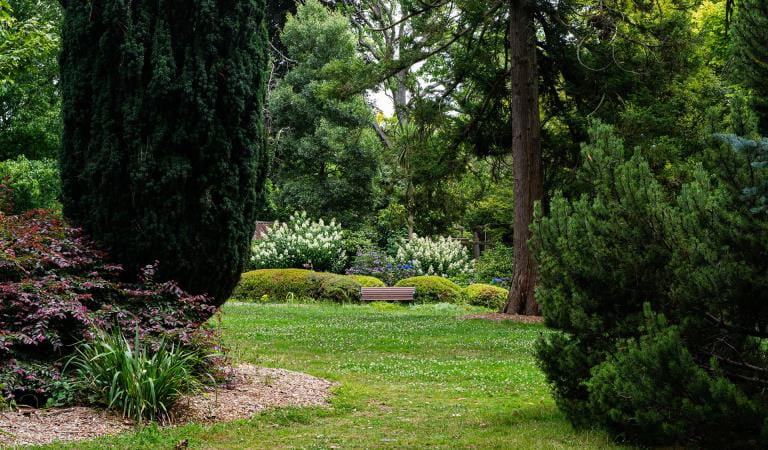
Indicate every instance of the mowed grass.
{"type": "Point", "coordinates": [409, 378]}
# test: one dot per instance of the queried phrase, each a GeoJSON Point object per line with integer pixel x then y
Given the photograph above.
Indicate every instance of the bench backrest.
{"type": "Point", "coordinates": [388, 293]}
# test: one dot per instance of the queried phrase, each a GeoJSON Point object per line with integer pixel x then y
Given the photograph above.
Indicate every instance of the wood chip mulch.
{"type": "Point", "coordinates": [252, 390]}
{"type": "Point", "coordinates": [499, 317]}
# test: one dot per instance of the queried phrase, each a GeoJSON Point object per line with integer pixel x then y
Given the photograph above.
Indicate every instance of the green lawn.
{"type": "Point", "coordinates": [412, 377]}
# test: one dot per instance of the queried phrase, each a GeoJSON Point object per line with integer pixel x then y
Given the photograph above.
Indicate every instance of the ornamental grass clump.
{"type": "Point", "coordinates": [301, 243]}
{"type": "Point", "coordinates": [140, 382]}
{"type": "Point", "coordinates": [441, 256]}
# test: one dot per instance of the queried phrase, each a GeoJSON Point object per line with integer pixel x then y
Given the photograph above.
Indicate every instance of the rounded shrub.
{"type": "Point", "coordinates": [486, 295]}
{"type": "Point", "coordinates": [432, 289]}
{"type": "Point", "coordinates": [368, 281]}
{"type": "Point", "coordinates": [276, 284]}
{"type": "Point", "coordinates": [339, 288]}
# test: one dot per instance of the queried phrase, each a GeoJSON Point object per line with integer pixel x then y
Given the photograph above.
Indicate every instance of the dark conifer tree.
{"type": "Point", "coordinates": [750, 47]}
{"type": "Point", "coordinates": [163, 147]}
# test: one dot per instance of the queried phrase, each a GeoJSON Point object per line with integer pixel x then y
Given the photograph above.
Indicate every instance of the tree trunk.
{"type": "Point", "coordinates": [526, 152]}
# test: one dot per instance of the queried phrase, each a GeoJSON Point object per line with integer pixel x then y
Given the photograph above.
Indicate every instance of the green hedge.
{"type": "Point", "coordinates": [432, 289]}
{"type": "Point", "coordinates": [281, 284]}
{"type": "Point", "coordinates": [368, 281]}
{"type": "Point", "coordinates": [486, 295]}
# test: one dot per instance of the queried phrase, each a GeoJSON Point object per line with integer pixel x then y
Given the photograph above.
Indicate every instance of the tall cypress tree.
{"type": "Point", "coordinates": [163, 147]}
{"type": "Point", "coordinates": [750, 48]}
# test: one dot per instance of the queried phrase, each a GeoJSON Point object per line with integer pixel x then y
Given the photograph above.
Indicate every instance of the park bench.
{"type": "Point", "coordinates": [387, 294]}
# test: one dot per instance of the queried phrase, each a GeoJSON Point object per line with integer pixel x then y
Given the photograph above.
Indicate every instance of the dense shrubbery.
{"type": "Point", "coordinates": [433, 289]}
{"type": "Point", "coordinates": [661, 300]}
{"type": "Point", "coordinates": [55, 288]}
{"type": "Point", "coordinates": [495, 265]}
{"type": "Point", "coordinates": [277, 285]}
{"type": "Point", "coordinates": [35, 184]}
{"type": "Point", "coordinates": [441, 256]}
{"type": "Point", "coordinates": [300, 243]}
{"type": "Point", "coordinates": [486, 295]}
{"type": "Point", "coordinates": [368, 281]}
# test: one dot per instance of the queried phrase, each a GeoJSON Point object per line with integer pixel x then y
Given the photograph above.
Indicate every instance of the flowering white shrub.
{"type": "Point", "coordinates": [300, 243]}
{"type": "Point", "coordinates": [435, 256]}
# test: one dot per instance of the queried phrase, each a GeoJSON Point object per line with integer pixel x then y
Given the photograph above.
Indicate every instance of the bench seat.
{"type": "Point", "coordinates": [387, 294]}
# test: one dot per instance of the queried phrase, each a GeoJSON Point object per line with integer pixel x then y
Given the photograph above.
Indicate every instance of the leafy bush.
{"type": "Point", "coordinates": [55, 288]}
{"type": "Point", "coordinates": [301, 243]}
{"type": "Point", "coordinates": [35, 184]}
{"type": "Point", "coordinates": [496, 265]}
{"type": "Point", "coordinates": [486, 295]}
{"type": "Point", "coordinates": [368, 281]}
{"type": "Point", "coordinates": [441, 256]}
{"type": "Point", "coordinates": [374, 262]}
{"type": "Point", "coordinates": [432, 289]}
{"type": "Point", "coordinates": [339, 288]}
{"type": "Point", "coordinates": [141, 382]}
{"type": "Point", "coordinates": [691, 259]}
{"type": "Point", "coordinates": [279, 285]}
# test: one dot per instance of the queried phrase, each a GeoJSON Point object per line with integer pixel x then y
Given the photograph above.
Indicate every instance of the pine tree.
{"type": "Point", "coordinates": [162, 155]}
{"type": "Point", "coordinates": [750, 48]}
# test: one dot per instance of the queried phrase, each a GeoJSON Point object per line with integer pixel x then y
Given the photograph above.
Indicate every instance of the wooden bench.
{"type": "Point", "coordinates": [387, 294]}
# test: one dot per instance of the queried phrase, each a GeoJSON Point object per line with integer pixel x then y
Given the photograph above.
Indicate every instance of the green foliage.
{"type": "Point", "coordinates": [367, 281]}
{"type": "Point", "coordinates": [495, 265]}
{"type": "Point", "coordinates": [30, 103]}
{"type": "Point", "coordinates": [280, 285]}
{"type": "Point", "coordinates": [691, 254]}
{"type": "Point", "coordinates": [163, 153]}
{"type": "Point", "coordinates": [132, 378]}
{"type": "Point", "coordinates": [339, 288]}
{"type": "Point", "coordinates": [433, 289]}
{"type": "Point", "coordinates": [750, 53]}
{"type": "Point", "coordinates": [486, 295]}
{"type": "Point", "coordinates": [277, 284]}
{"type": "Point", "coordinates": [325, 148]}
{"type": "Point", "coordinates": [651, 398]}
{"type": "Point", "coordinates": [35, 184]}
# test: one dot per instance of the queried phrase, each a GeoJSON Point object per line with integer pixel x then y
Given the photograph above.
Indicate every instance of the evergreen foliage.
{"type": "Point", "coordinates": [750, 48]}
{"type": "Point", "coordinates": [660, 298]}
{"type": "Point", "coordinates": [162, 154]}
{"type": "Point", "coordinates": [325, 149]}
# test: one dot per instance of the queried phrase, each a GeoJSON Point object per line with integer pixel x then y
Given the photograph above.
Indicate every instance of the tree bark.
{"type": "Point", "coordinates": [526, 152]}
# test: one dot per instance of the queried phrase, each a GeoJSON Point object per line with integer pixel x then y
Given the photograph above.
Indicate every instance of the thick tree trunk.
{"type": "Point", "coordinates": [526, 152]}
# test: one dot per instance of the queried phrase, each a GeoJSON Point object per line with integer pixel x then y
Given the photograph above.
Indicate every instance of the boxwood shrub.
{"type": "Point", "coordinates": [281, 284]}
{"type": "Point", "coordinates": [368, 281]}
{"type": "Point", "coordinates": [486, 295]}
{"type": "Point", "coordinates": [433, 289]}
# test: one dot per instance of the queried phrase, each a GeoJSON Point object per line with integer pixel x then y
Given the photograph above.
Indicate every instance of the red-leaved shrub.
{"type": "Point", "coordinates": [55, 287]}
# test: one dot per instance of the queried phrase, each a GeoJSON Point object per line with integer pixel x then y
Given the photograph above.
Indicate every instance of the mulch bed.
{"type": "Point", "coordinates": [252, 390]}
{"type": "Point", "coordinates": [499, 317]}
